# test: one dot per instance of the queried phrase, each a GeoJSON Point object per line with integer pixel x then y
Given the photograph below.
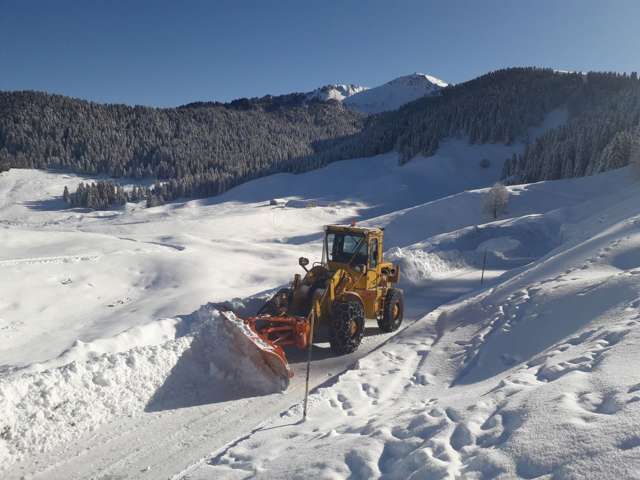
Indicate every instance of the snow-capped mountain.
{"type": "Point", "coordinates": [394, 94]}
{"type": "Point", "coordinates": [390, 96]}
{"type": "Point", "coordinates": [335, 92]}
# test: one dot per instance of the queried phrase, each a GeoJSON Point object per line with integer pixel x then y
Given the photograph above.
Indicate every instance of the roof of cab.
{"type": "Point", "coordinates": [350, 228]}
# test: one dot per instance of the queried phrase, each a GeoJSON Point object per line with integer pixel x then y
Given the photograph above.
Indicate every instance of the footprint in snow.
{"type": "Point", "coordinates": [629, 443]}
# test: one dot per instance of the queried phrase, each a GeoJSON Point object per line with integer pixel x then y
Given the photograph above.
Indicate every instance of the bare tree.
{"type": "Point", "coordinates": [496, 200]}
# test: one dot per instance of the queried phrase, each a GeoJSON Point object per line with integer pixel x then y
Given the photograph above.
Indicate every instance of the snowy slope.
{"type": "Point", "coordinates": [116, 288]}
{"type": "Point", "coordinates": [392, 95]}
{"type": "Point", "coordinates": [100, 273]}
{"type": "Point", "coordinates": [533, 376]}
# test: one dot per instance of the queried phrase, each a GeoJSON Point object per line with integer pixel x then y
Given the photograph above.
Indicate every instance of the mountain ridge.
{"type": "Point", "coordinates": [204, 149]}
{"type": "Point", "coordinates": [395, 93]}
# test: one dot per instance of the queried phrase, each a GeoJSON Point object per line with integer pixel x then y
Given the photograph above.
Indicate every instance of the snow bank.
{"type": "Point", "coordinates": [508, 243]}
{"type": "Point", "coordinates": [153, 333]}
{"type": "Point", "coordinates": [418, 265]}
{"type": "Point", "coordinates": [41, 410]}
{"type": "Point", "coordinates": [500, 245]}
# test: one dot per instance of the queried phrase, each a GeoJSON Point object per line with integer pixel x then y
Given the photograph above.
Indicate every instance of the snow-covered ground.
{"type": "Point", "coordinates": [98, 273]}
{"type": "Point", "coordinates": [110, 367]}
{"type": "Point", "coordinates": [534, 376]}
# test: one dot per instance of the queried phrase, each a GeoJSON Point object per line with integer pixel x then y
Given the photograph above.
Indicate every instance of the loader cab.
{"type": "Point", "coordinates": [358, 251]}
{"type": "Point", "coordinates": [353, 248]}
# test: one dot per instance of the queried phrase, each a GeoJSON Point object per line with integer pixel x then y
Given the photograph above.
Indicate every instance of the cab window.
{"type": "Point", "coordinates": [373, 253]}
{"type": "Point", "coordinates": [347, 247]}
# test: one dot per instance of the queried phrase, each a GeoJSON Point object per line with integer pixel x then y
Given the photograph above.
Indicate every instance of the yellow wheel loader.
{"type": "Point", "coordinates": [350, 284]}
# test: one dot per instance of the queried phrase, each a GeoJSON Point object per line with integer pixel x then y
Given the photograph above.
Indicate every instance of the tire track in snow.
{"type": "Point", "coordinates": [43, 260]}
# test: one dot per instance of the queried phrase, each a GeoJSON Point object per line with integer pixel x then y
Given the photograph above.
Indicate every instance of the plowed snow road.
{"type": "Point", "coordinates": [161, 444]}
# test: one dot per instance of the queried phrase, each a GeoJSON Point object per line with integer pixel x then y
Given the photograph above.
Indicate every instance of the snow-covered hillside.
{"type": "Point", "coordinates": [532, 376]}
{"type": "Point", "coordinates": [392, 95]}
{"type": "Point", "coordinates": [110, 367]}
{"type": "Point", "coordinates": [116, 289]}
{"type": "Point", "coordinates": [98, 273]}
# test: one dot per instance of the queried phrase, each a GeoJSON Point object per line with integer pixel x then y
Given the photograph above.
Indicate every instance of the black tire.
{"type": "Point", "coordinates": [347, 327]}
{"type": "Point", "coordinates": [393, 311]}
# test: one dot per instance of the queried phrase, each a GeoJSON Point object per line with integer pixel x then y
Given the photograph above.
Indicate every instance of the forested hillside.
{"type": "Point", "coordinates": [499, 107]}
{"type": "Point", "coordinates": [496, 107]}
{"type": "Point", "coordinates": [204, 148]}
{"type": "Point", "coordinates": [602, 133]}
{"type": "Point", "coordinates": [209, 146]}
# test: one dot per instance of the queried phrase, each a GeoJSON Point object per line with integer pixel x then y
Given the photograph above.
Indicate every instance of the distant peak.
{"type": "Point", "coordinates": [395, 93]}
{"type": "Point", "coordinates": [337, 92]}
{"type": "Point", "coordinates": [389, 96]}
{"type": "Point", "coordinates": [419, 78]}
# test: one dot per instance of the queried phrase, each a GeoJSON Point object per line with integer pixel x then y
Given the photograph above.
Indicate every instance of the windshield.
{"type": "Point", "coordinates": [346, 247]}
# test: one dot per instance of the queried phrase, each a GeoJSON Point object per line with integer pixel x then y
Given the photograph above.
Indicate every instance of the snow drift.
{"type": "Point", "coordinates": [210, 363]}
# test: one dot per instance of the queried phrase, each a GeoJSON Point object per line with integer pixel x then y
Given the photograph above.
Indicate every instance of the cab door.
{"type": "Point", "coordinates": [370, 294]}
{"type": "Point", "coordinates": [374, 260]}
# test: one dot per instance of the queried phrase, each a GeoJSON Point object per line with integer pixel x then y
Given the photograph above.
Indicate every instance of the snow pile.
{"type": "Point", "coordinates": [392, 95]}
{"type": "Point", "coordinates": [228, 346]}
{"type": "Point", "coordinates": [418, 264]}
{"type": "Point", "coordinates": [213, 361]}
{"type": "Point", "coordinates": [40, 411]}
{"type": "Point", "coordinates": [154, 333]}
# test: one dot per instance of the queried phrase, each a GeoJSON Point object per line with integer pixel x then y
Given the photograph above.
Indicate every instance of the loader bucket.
{"type": "Point", "coordinates": [272, 354]}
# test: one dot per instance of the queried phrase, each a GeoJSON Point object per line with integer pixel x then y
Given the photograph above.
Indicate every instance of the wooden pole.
{"type": "Point", "coordinates": [309, 349]}
{"type": "Point", "coordinates": [484, 265]}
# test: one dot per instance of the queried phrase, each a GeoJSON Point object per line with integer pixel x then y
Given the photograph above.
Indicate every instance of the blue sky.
{"type": "Point", "coordinates": [168, 53]}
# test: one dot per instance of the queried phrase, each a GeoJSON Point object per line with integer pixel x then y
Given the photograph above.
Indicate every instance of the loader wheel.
{"type": "Point", "coordinates": [347, 327]}
{"type": "Point", "coordinates": [393, 311]}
